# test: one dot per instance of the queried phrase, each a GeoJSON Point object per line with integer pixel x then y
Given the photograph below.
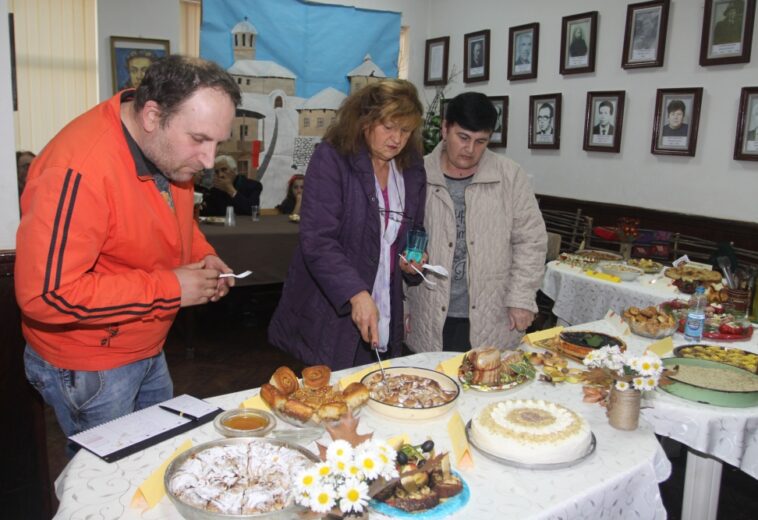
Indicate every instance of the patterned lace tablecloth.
{"type": "Point", "coordinates": [580, 298]}
{"type": "Point", "coordinates": [620, 480]}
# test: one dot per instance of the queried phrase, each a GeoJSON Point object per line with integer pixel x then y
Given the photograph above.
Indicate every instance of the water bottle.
{"type": "Point", "coordinates": [693, 329]}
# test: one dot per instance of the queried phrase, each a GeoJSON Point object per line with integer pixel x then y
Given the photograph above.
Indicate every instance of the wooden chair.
{"type": "Point", "coordinates": [696, 248]}
{"type": "Point", "coordinates": [574, 228]}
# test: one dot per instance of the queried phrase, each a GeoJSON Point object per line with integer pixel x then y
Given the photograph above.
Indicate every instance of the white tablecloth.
{"type": "Point", "coordinates": [620, 480]}
{"type": "Point", "coordinates": [580, 298]}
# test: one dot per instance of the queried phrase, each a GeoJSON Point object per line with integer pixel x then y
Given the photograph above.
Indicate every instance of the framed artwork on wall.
{"type": "Point", "coordinates": [578, 42]}
{"type": "Point", "coordinates": [476, 56]}
{"type": "Point", "coordinates": [746, 139]}
{"type": "Point", "coordinates": [604, 121]}
{"type": "Point", "coordinates": [499, 137]}
{"type": "Point", "coordinates": [677, 115]}
{"type": "Point", "coordinates": [435, 61]}
{"type": "Point", "coordinates": [130, 58]}
{"type": "Point", "coordinates": [545, 121]}
{"type": "Point", "coordinates": [523, 51]}
{"type": "Point", "coordinates": [645, 34]}
{"type": "Point", "coordinates": [727, 32]}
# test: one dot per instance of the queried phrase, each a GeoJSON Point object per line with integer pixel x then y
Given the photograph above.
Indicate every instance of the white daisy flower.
{"type": "Point", "coordinates": [323, 469]}
{"type": "Point", "coordinates": [590, 358]}
{"type": "Point", "coordinates": [650, 383]}
{"type": "Point", "coordinates": [622, 386]}
{"type": "Point", "coordinates": [635, 364]}
{"type": "Point", "coordinates": [322, 499]}
{"type": "Point", "coordinates": [354, 470]}
{"type": "Point", "coordinates": [648, 365]}
{"type": "Point", "coordinates": [340, 467]}
{"type": "Point", "coordinates": [306, 480]}
{"type": "Point", "coordinates": [339, 450]}
{"type": "Point", "coordinates": [638, 383]}
{"type": "Point", "coordinates": [369, 463]}
{"type": "Point", "coordinates": [353, 496]}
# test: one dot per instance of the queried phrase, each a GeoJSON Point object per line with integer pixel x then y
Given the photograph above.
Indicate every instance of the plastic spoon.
{"type": "Point", "coordinates": [238, 276]}
{"type": "Point", "coordinates": [436, 269]}
{"type": "Point", "coordinates": [427, 280]}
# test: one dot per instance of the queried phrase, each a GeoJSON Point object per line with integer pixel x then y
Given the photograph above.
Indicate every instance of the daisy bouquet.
{"type": "Point", "coordinates": [341, 481]}
{"type": "Point", "coordinates": [624, 371]}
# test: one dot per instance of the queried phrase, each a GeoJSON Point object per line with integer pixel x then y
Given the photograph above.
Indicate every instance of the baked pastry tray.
{"type": "Point", "coordinates": [515, 464]}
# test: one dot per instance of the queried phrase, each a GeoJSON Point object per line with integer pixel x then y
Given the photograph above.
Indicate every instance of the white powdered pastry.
{"type": "Point", "coordinates": [531, 431]}
{"type": "Point", "coordinates": [239, 478]}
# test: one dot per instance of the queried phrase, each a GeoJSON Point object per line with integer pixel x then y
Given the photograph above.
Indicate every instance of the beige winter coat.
{"type": "Point", "coordinates": [507, 244]}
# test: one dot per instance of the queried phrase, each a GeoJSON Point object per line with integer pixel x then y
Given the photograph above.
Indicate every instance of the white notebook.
{"type": "Point", "coordinates": [138, 430]}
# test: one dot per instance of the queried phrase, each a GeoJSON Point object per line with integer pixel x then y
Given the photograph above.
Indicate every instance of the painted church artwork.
{"type": "Point", "coordinates": [274, 131]}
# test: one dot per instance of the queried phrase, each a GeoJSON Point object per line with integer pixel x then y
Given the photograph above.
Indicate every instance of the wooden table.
{"type": "Point", "coordinates": [264, 247]}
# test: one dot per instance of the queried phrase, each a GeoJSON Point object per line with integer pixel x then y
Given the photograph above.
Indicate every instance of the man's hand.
{"type": "Point", "coordinates": [224, 181]}
{"type": "Point", "coordinates": [224, 284]}
{"type": "Point", "coordinates": [197, 283]}
{"type": "Point", "coordinates": [366, 317]}
{"type": "Point", "coordinates": [520, 318]}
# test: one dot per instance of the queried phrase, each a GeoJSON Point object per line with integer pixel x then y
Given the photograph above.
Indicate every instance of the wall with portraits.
{"type": "Point", "coordinates": [710, 183]}
{"type": "Point", "coordinates": [8, 193]}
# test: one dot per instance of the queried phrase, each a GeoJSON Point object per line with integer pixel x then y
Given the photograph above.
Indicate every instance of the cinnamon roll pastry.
{"type": "Point", "coordinates": [316, 376]}
{"type": "Point", "coordinates": [285, 380]}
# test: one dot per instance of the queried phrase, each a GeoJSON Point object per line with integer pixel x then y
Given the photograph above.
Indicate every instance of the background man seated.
{"type": "Point", "coordinates": [231, 189]}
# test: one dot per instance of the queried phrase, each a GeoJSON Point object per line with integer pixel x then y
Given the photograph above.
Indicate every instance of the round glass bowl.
{"type": "Point", "coordinates": [244, 422]}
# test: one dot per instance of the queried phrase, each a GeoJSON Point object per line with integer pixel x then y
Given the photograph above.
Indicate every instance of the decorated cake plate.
{"type": "Point", "coordinates": [522, 465]}
{"type": "Point", "coordinates": [441, 510]}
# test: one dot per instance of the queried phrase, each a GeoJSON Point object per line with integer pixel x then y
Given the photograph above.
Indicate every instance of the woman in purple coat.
{"type": "Point", "coordinates": [366, 186]}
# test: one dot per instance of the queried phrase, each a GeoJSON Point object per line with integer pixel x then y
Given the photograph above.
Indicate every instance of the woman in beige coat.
{"type": "Point", "coordinates": [485, 227]}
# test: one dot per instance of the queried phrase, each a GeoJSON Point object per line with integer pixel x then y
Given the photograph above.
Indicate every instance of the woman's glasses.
{"type": "Point", "coordinates": [396, 216]}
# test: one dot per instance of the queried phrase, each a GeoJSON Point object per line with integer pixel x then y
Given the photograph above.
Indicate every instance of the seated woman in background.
{"type": "Point", "coordinates": [366, 187]}
{"type": "Point", "coordinates": [291, 203]}
{"type": "Point", "coordinates": [23, 160]}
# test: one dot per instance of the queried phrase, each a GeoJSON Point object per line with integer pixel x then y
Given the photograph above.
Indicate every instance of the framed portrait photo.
{"type": "Point", "coordinates": [130, 58]}
{"type": "Point", "coordinates": [523, 50]}
{"type": "Point", "coordinates": [435, 61]}
{"type": "Point", "coordinates": [604, 121]}
{"type": "Point", "coordinates": [578, 38]}
{"type": "Point", "coordinates": [545, 121]}
{"type": "Point", "coordinates": [677, 115]}
{"type": "Point", "coordinates": [645, 34]}
{"type": "Point", "coordinates": [727, 32]}
{"type": "Point", "coordinates": [746, 140]}
{"type": "Point", "coordinates": [499, 137]}
{"type": "Point", "coordinates": [476, 56]}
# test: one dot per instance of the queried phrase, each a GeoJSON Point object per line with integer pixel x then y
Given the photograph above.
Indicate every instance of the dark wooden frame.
{"type": "Point", "coordinates": [534, 28]}
{"type": "Point", "coordinates": [631, 10]}
{"type": "Point", "coordinates": [468, 39]}
{"type": "Point", "coordinates": [443, 108]}
{"type": "Point", "coordinates": [443, 41]}
{"type": "Point", "coordinates": [591, 44]}
{"type": "Point", "coordinates": [696, 93]}
{"type": "Point", "coordinates": [503, 141]}
{"type": "Point", "coordinates": [743, 122]}
{"type": "Point", "coordinates": [147, 44]}
{"type": "Point", "coordinates": [618, 120]}
{"type": "Point", "coordinates": [747, 36]}
{"type": "Point", "coordinates": [533, 112]}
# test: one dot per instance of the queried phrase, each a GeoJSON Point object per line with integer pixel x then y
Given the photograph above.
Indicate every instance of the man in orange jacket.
{"type": "Point", "coordinates": [107, 248]}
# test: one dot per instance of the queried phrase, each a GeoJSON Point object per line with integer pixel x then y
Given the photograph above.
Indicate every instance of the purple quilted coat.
{"type": "Point", "coordinates": [338, 257]}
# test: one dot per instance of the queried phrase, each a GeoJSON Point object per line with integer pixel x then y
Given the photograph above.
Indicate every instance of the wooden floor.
{"type": "Point", "coordinates": [231, 353]}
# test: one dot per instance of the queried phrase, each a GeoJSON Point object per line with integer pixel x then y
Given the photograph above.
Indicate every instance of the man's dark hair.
{"type": "Point", "coordinates": [473, 111]}
{"type": "Point", "coordinates": [606, 103]}
{"type": "Point", "coordinates": [172, 80]}
{"type": "Point", "coordinates": [548, 106]}
{"type": "Point", "coordinates": [675, 105]}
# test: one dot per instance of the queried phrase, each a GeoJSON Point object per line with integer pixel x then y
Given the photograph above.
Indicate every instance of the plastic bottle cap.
{"type": "Point", "coordinates": [700, 290]}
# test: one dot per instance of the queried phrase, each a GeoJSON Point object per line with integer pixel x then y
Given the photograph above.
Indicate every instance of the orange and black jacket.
{"type": "Point", "coordinates": [96, 248]}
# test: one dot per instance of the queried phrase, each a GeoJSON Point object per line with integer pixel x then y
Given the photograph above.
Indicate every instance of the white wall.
{"type": "Point", "coordinates": [711, 183]}
{"type": "Point", "coordinates": [157, 19]}
{"type": "Point", "coordinates": [9, 190]}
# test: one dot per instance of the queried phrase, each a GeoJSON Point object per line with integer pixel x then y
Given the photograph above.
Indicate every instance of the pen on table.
{"type": "Point", "coordinates": [177, 412]}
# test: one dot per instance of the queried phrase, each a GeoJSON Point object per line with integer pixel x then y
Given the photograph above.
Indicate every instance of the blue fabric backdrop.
{"type": "Point", "coordinates": [319, 43]}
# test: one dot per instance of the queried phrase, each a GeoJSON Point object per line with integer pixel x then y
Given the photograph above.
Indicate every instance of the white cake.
{"type": "Point", "coordinates": [531, 431]}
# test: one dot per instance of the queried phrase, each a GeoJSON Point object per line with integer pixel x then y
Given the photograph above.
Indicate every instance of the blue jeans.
{"type": "Point", "coordinates": [83, 399]}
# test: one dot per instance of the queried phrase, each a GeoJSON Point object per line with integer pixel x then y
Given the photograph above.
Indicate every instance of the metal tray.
{"type": "Point", "coordinates": [515, 464]}
{"type": "Point", "coordinates": [194, 513]}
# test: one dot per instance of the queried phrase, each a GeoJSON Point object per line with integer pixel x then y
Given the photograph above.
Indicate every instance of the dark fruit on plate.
{"type": "Point", "coordinates": [402, 458]}
{"type": "Point", "coordinates": [427, 446]}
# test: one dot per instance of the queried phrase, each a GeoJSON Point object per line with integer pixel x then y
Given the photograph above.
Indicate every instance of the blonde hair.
{"type": "Point", "coordinates": [388, 100]}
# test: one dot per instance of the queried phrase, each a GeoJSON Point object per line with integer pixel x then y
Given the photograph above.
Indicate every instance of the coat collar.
{"type": "Point", "coordinates": [484, 173]}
